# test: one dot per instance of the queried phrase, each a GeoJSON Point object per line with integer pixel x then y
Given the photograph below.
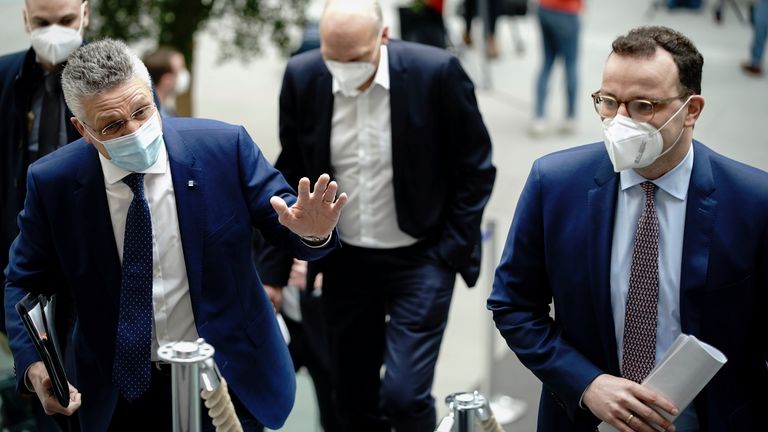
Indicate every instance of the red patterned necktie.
{"type": "Point", "coordinates": [643, 295]}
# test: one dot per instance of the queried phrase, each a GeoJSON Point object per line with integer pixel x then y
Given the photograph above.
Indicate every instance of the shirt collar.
{"type": "Point", "coordinates": [113, 173]}
{"type": "Point", "coordinates": [382, 73]}
{"type": "Point", "coordinates": [675, 182]}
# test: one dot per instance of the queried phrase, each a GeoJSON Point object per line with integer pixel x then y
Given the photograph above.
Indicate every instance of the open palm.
{"type": "Point", "coordinates": [315, 213]}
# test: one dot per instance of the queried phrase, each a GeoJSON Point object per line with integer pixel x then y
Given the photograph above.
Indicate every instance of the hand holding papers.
{"type": "Point", "coordinates": [37, 314]}
{"type": "Point", "coordinates": [682, 373]}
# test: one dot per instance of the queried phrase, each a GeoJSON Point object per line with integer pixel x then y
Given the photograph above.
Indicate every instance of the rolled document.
{"type": "Point", "coordinates": [686, 368]}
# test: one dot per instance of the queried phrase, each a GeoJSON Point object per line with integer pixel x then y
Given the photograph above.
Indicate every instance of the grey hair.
{"type": "Point", "coordinates": [371, 8]}
{"type": "Point", "coordinates": [97, 67]}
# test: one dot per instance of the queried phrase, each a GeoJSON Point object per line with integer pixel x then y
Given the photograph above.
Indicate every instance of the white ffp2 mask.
{"type": "Point", "coordinates": [632, 144]}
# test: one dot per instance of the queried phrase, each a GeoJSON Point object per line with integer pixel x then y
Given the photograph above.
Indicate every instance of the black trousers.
{"type": "Point", "coordinates": [385, 307]}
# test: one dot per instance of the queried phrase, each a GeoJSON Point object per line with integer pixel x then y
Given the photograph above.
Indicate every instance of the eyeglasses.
{"type": "Point", "coordinates": [641, 110]}
{"type": "Point", "coordinates": [117, 127]}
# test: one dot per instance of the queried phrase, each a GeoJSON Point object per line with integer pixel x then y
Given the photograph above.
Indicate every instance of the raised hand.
{"type": "Point", "coordinates": [315, 214]}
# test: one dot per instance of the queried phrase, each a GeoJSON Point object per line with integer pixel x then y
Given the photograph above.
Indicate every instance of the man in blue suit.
{"type": "Point", "coordinates": [657, 236]}
{"type": "Point", "coordinates": [398, 125]}
{"type": "Point", "coordinates": [146, 225]}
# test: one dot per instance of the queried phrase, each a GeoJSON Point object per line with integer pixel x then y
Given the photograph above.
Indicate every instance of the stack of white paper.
{"type": "Point", "coordinates": [686, 368]}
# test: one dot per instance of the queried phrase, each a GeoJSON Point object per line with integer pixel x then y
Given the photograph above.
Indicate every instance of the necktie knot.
{"type": "Point", "coordinates": [135, 181]}
{"type": "Point", "coordinates": [649, 188]}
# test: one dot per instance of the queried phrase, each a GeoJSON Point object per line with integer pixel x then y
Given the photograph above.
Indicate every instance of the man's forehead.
{"type": "Point", "coordinates": [53, 7]}
{"type": "Point", "coordinates": [119, 100]}
{"type": "Point", "coordinates": [656, 72]}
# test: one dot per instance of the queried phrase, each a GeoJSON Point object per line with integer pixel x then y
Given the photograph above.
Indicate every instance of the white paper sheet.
{"type": "Point", "coordinates": [686, 368]}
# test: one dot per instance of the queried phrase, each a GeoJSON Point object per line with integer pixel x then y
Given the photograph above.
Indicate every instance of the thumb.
{"type": "Point", "coordinates": [279, 205]}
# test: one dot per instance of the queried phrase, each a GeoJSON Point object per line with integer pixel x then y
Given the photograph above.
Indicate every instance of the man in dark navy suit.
{"type": "Point", "coordinates": [145, 223]}
{"type": "Point", "coordinates": [398, 125]}
{"type": "Point", "coordinates": [636, 240]}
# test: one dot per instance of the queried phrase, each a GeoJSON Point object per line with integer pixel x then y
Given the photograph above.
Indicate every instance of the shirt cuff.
{"type": "Point", "coordinates": [315, 242]}
{"type": "Point", "coordinates": [27, 383]}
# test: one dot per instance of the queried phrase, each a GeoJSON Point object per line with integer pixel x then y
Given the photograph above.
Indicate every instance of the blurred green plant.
{"type": "Point", "coordinates": [242, 27]}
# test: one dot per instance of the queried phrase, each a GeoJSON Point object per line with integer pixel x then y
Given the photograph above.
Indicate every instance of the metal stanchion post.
{"type": "Point", "coordinates": [185, 359]}
{"type": "Point", "coordinates": [507, 409]}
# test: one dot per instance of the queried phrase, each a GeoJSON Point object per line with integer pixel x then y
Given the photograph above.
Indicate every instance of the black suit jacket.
{"type": "Point", "coordinates": [441, 150]}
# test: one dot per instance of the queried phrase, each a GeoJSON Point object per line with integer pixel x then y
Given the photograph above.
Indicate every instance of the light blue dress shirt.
{"type": "Point", "coordinates": [670, 199]}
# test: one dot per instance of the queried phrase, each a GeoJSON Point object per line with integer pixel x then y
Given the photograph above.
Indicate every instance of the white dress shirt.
{"type": "Point", "coordinates": [361, 156]}
{"type": "Point", "coordinates": [172, 308]}
{"type": "Point", "coordinates": [670, 200]}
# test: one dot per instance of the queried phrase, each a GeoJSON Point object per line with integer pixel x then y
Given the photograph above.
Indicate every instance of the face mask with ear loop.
{"type": "Point", "coordinates": [633, 144]}
{"type": "Point", "coordinates": [54, 43]}
{"type": "Point", "coordinates": [136, 151]}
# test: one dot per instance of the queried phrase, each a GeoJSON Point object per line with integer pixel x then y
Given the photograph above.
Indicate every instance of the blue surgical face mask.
{"type": "Point", "coordinates": [137, 151]}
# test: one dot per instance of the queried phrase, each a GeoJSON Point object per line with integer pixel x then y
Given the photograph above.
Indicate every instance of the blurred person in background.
{"type": "Point", "coordinates": [635, 241]}
{"type": "Point", "coordinates": [33, 116]}
{"type": "Point", "coordinates": [759, 34]}
{"type": "Point", "coordinates": [398, 124]}
{"type": "Point", "coordinates": [170, 77]}
{"type": "Point", "coordinates": [471, 10]}
{"type": "Point", "coordinates": [560, 26]}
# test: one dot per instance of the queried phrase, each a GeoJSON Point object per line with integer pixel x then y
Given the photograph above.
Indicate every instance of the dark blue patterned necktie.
{"type": "Point", "coordinates": [132, 364]}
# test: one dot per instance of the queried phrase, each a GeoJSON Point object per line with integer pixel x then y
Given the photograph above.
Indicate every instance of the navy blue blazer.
{"type": "Point", "coordinates": [558, 251]}
{"type": "Point", "coordinates": [66, 245]}
{"type": "Point", "coordinates": [441, 151]}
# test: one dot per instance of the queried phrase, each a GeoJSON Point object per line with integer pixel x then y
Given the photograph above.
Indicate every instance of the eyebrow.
{"type": "Point", "coordinates": [40, 20]}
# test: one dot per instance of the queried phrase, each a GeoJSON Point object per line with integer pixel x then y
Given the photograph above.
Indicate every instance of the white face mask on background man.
{"type": "Point", "coordinates": [633, 144]}
{"type": "Point", "coordinates": [182, 82]}
{"type": "Point", "coordinates": [351, 75]}
{"type": "Point", "coordinates": [54, 43]}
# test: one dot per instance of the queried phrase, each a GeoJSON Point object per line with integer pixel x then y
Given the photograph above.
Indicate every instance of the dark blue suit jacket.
{"type": "Point", "coordinates": [441, 151]}
{"type": "Point", "coordinates": [66, 245]}
{"type": "Point", "coordinates": [558, 250]}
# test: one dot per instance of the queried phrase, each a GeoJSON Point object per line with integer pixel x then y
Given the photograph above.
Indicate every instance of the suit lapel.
{"type": "Point", "coordinates": [700, 214]}
{"type": "Point", "coordinates": [98, 235]}
{"type": "Point", "coordinates": [398, 106]}
{"type": "Point", "coordinates": [188, 185]}
{"type": "Point", "coordinates": [602, 206]}
{"type": "Point", "coordinates": [321, 143]}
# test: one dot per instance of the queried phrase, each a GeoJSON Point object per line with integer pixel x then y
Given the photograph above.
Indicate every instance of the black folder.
{"type": "Point", "coordinates": [37, 314]}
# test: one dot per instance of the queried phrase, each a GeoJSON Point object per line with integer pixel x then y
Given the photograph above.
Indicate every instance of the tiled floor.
{"type": "Point", "coordinates": [733, 122]}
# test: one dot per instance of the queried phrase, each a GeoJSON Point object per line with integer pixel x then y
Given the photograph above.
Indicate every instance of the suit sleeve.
{"type": "Point", "coordinates": [473, 170]}
{"type": "Point", "coordinates": [275, 262]}
{"type": "Point", "coordinates": [520, 302]}
{"type": "Point", "coordinates": [30, 268]}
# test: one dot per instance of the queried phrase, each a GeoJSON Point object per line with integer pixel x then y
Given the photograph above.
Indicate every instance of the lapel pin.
{"type": "Point", "coordinates": [190, 183]}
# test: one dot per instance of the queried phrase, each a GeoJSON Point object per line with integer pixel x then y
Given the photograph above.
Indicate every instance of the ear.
{"type": "Point", "coordinates": [695, 106]}
{"type": "Point", "coordinates": [86, 15]}
{"type": "Point", "coordinates": [385, 35]}
{"type": "Point", "coordinates": [27, 27]}
{"type": "Point", "coordinates": [80, 128]}
{"type": "Point", "coordinates": [87, 137]}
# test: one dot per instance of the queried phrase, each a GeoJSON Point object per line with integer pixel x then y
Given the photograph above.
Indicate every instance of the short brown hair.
{"type": "Point", "coordinates": [158, 62]}
{"type": "Point", "coordinates": [643, 42]}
